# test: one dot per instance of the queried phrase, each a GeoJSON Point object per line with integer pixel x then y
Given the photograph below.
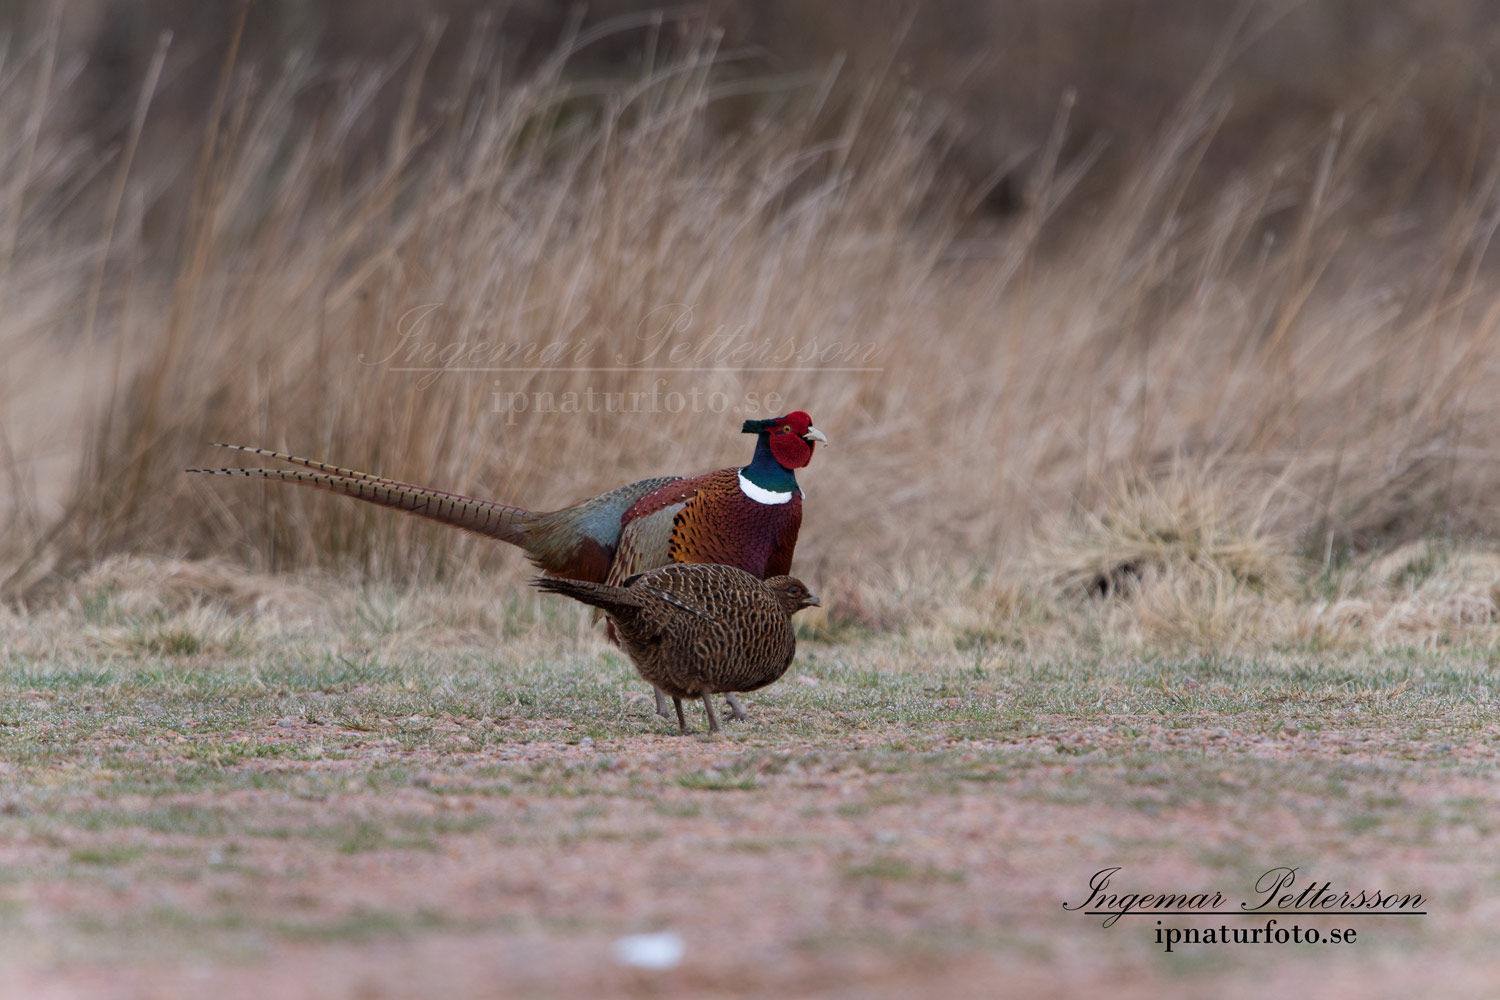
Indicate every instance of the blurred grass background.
{"type": "Point", "coordinates": [1283, 69]}
{"type": "Point", "coordinates": [1202, 287]}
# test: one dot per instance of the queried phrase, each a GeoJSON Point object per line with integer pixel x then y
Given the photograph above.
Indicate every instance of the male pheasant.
{"type": "Point", "coordinates": [697, 630]}
{"type": "Point", "coordinates": [745, 517]}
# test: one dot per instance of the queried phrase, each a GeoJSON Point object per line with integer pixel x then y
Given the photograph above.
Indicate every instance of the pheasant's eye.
{"type": "Point", "coordinates": [786, 428]}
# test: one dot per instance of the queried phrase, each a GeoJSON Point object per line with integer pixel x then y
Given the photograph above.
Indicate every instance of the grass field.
{"type": "Point", "coordinates": [215, 779]}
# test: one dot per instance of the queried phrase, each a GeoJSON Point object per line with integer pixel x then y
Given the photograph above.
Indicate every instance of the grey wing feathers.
{"type": "Point", "coordinates": [644, 544]}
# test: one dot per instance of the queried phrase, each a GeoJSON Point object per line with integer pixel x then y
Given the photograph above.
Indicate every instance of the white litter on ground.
{"type": "Point", "coordinates": [649, 951]}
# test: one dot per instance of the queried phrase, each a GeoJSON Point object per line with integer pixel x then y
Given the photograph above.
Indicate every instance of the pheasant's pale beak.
{"type": "Point", "coordinates": [813, 434]}
{"type": "Point", "coordinates": [811, 601]}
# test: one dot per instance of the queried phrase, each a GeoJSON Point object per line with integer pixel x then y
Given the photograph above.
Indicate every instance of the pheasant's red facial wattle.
{"type": "Point", "coordinates": [789, 442]}
{"type": "Point", "coordinates": [790, 450]}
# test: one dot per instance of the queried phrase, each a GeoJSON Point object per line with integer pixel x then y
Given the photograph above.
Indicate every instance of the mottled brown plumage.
{"type": "Point", "coordinates": [699, 629]}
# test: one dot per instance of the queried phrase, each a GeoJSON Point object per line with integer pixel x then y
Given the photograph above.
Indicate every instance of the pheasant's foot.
{"type": "Point", "coordinates": [736, 710]}
{"type": "Point", "coordinates": [713, 720]}
{"type": "Point", "coordinates": [681, 722]}
{"type": "Point", "coordinates": [661, 704]}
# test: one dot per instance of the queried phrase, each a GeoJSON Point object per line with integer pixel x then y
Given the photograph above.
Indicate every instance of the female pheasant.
{"type": "Point", "coordinates": [696, 630]}
{"type": "Point", "coordinates": [745, 517]}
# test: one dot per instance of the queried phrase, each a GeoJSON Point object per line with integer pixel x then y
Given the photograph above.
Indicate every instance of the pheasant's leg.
{"type": "Point", "coordinates": [713, 720]}
{"type": "Point", "coordinates": [736, 710]}
{"type": "Point", "coordinates": [681, 722]}
{"type": "Point", "coordinates": [661, 704]}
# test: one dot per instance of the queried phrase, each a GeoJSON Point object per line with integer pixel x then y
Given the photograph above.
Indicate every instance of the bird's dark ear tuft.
{"type": "Point", "coordinates": [756, 426]}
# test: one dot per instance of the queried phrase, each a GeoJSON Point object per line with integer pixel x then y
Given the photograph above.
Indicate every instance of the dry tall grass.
{"type": "Point", "coordinates": [1327, 375]}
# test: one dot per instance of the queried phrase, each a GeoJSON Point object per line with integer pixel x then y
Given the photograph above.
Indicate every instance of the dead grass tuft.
{"type": "Point", "coordinates": [135, 586]}
{"type": "Point", "coordinates": [1183, 530]}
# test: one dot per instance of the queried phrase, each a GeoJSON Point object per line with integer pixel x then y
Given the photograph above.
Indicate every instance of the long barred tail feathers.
{"type": "Point", "coordinates": [307, 463]}
{"type": "Point", "coordinates": [484, 517]}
